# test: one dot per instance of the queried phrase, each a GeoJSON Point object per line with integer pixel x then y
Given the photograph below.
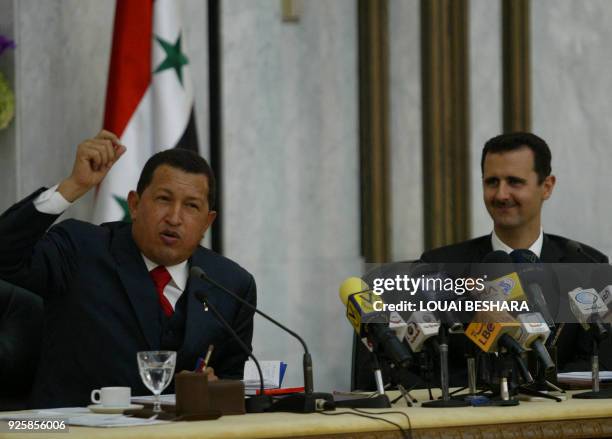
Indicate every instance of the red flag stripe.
{"type": "Point", "coordinates": [130, 66]}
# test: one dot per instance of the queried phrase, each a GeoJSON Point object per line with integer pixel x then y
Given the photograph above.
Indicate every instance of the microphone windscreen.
{"type": "Point", "coordinates": [578, 254]}
{"type": "Point", "coordinates": [197, 272]}
{"type": "Point", "coordinates": [351, 286]}
{"type": "Point", "coordinates": [573, 246]}
{"type": "Point", "coordinates": [494, 265]}
{"type": "Point", "coordinates": [524, 256]}
{"type": "Point", "coordinates": [497, 257]}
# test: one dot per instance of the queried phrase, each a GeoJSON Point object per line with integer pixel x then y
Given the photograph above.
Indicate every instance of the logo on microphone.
{"type": "Point", "coordinates": [586, 298]}
{"type": "Point", "coordinates": [506, 284]}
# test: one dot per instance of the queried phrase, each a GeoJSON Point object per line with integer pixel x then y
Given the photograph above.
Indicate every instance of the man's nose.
{"type": "Point", "coordinates": [174, 214]}
{"type": "Point", "coordinates": [503, 191]}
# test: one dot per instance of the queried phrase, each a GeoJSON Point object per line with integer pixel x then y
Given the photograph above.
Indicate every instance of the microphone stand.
{"type": "Point", "coordinates": [515, 351]}
{"type": "Point", "coordinates": [541, 383]}
{"type": "Point", "coordinates": [502, 397]}
{"type": "Point", "coordinates": [599, 333]}
{"type": "Point", "coordinates": [446, 400]}
{"type": "Point", "coordinates": [380, 401]}
{"type": "Point", "coordinates": [255, 404]}
{"type": "Point", "coordinates": [471, 376]}
{"type": "Point", "coordinates": [307, 402]}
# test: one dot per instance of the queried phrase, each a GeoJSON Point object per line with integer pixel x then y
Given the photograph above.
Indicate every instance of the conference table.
{"type": "Point", "coordinates": [533, 419]}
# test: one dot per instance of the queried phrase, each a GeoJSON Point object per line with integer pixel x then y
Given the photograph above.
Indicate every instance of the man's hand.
{"type": "Point", "coordinates": [94, 158]}
{"type": "Point", "coordinates": [209, 371]}
{"type": "Point", "coordinates": [211, 374]}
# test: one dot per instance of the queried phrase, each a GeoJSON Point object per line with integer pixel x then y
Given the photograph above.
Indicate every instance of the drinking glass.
{"type": "Point", "coordinates": [156, 370]}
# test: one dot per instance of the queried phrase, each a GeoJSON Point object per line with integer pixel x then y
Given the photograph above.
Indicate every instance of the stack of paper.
{"type": "Point", "coordinates": [273, 373]}
{"type": "Point", "coordinates": [585, 377]}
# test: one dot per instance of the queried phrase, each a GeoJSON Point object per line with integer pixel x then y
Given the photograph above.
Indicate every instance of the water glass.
{"type": "Point", "coordinates": [156, 370]}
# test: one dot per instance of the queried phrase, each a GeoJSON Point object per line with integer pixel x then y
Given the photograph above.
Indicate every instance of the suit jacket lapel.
{"type": "Point", "coordinates": [483, 247]}
{"type": "Point", "coordinates": [199, 321]}
{"type": "Point", "coordinates": [138, 284]}
{"type": "Point", "coordinates": [551, 252]}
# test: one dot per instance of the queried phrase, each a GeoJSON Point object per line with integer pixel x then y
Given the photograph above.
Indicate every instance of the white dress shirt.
{"type": "Point", "coordinates": [498, 244]}
{"type": "Point", "coordinates": [176, 286]}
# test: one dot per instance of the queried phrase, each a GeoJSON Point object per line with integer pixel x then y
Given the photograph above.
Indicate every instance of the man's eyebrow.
{"type": "Point", "coordinates": [187, 198]}
{"type": "Point", "coordinates": [200, 199]}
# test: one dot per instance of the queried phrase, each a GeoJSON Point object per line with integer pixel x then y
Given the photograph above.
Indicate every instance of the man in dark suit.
{"type": "Point", "coordinates": [112, 290]}
{"type": "Point", "coordinates": [517, 179]}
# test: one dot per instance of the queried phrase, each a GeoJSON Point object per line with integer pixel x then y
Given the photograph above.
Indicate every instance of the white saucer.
{"type": "Point", "coordinates": [99, 408]}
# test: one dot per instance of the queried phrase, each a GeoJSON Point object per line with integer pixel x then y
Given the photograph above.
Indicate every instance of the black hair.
{"type": "Point", "coordinates": [514, 141]}
{"type": "Point", "coordinates": [179, 158]}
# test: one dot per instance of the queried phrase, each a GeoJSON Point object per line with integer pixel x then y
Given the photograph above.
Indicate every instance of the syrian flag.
{"type": "Point", "coordinates": [149, 98]}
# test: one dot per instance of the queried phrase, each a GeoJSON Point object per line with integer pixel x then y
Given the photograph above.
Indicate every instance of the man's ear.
{"type": "Point", "coordinates": [133, 200]}
{"type": "Point", "coordinates": [548, 185]}
{"type": "Point", "coordinates": [212, 214]}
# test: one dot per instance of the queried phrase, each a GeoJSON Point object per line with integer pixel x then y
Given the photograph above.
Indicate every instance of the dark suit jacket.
{"type": "Point", "coordinates": [101, 306]}
{"type": "Point", "coordinates": [554, 249]}
{"type": "Point", "coordinates": [574, 345]}
{"type": "Point", "coordinates": [20, 337]}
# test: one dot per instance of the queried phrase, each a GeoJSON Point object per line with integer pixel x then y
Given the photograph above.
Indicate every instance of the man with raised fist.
{"type": "Point", "coordinates": [115, 289]}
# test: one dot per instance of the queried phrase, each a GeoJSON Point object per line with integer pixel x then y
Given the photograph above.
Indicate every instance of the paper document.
{"type": "Point", "coordinates": [604, 376]}
{"type": "Point", "coordinates": [168, 399]}
{"type": "Point", "coordinates": [273, 373]}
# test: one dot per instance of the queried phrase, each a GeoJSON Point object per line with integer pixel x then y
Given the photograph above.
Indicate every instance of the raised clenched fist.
{"type": "Point", "coordinates": [94, 158]}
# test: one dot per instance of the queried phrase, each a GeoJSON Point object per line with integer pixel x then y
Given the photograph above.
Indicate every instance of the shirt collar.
{"type": "Point", "coordinates": [498, 244]}
{"type": "Point", "coordinates": [178, 272]}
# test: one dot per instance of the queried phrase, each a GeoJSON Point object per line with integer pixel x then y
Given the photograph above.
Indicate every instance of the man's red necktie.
{"type": "Point", "coordinates": [161, 277]}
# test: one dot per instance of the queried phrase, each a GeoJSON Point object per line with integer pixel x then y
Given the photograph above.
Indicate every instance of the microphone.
{"type": "Point", "coordinates": [423, 326]}
{"type": "Point", "coordinates": [398, 325]}
{"type": "Point", "coordinates": [533, 334]}
{"type": "Point", "coordinates": [448, 320]}
{"type": "Point", "coordinates": [576, 248]}
{"type": "Point", "coordinates": [588, 307]}
{"type": "Point", "coordinates": [524, 256]}
{"type": "Point", "coordinates": [300, 403]}
{"type": "Point", "coordinates": [255, 404]}
{"type": "Point", "coordinates": [601, 279]}
{"type": "Point", "coordinates": [430, 275]}
{"type": "Point", "coordinates": [496, 264]}
{"type": "Point", "coordinates": [493, 336]}
{"type": "Point", "coordinates": [368, 323]}
{"type": "Point", "coordinates": [606, 296]}
{"type": "Point", "coordinates": [487, 328]}
{"type": "Point", "coordinates": [534, 327]}
{"type": "Point", "coordinates": [533, 274]}
{"type": "Point", "coordinates": [487, 332]}
{"type": "Point", "coordinates": [506, 283]}
{"type": "Point", "coordinates": [492, 331]}
{"type": "Point", "coordinates": [537, 298]}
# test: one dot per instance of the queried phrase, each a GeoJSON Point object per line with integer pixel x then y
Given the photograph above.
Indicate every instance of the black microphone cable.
{"type": "Point", "coordinates": [407, 434]}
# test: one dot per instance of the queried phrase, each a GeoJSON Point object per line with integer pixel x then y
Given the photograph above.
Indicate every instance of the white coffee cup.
{"type": "Point", "coordinates": [112, 396]}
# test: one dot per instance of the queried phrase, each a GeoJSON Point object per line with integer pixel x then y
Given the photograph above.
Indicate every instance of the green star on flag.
{"type": "Point", "coordinates": [175, 59]}
{"type": "Point", "coordinates": [124, 206]}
